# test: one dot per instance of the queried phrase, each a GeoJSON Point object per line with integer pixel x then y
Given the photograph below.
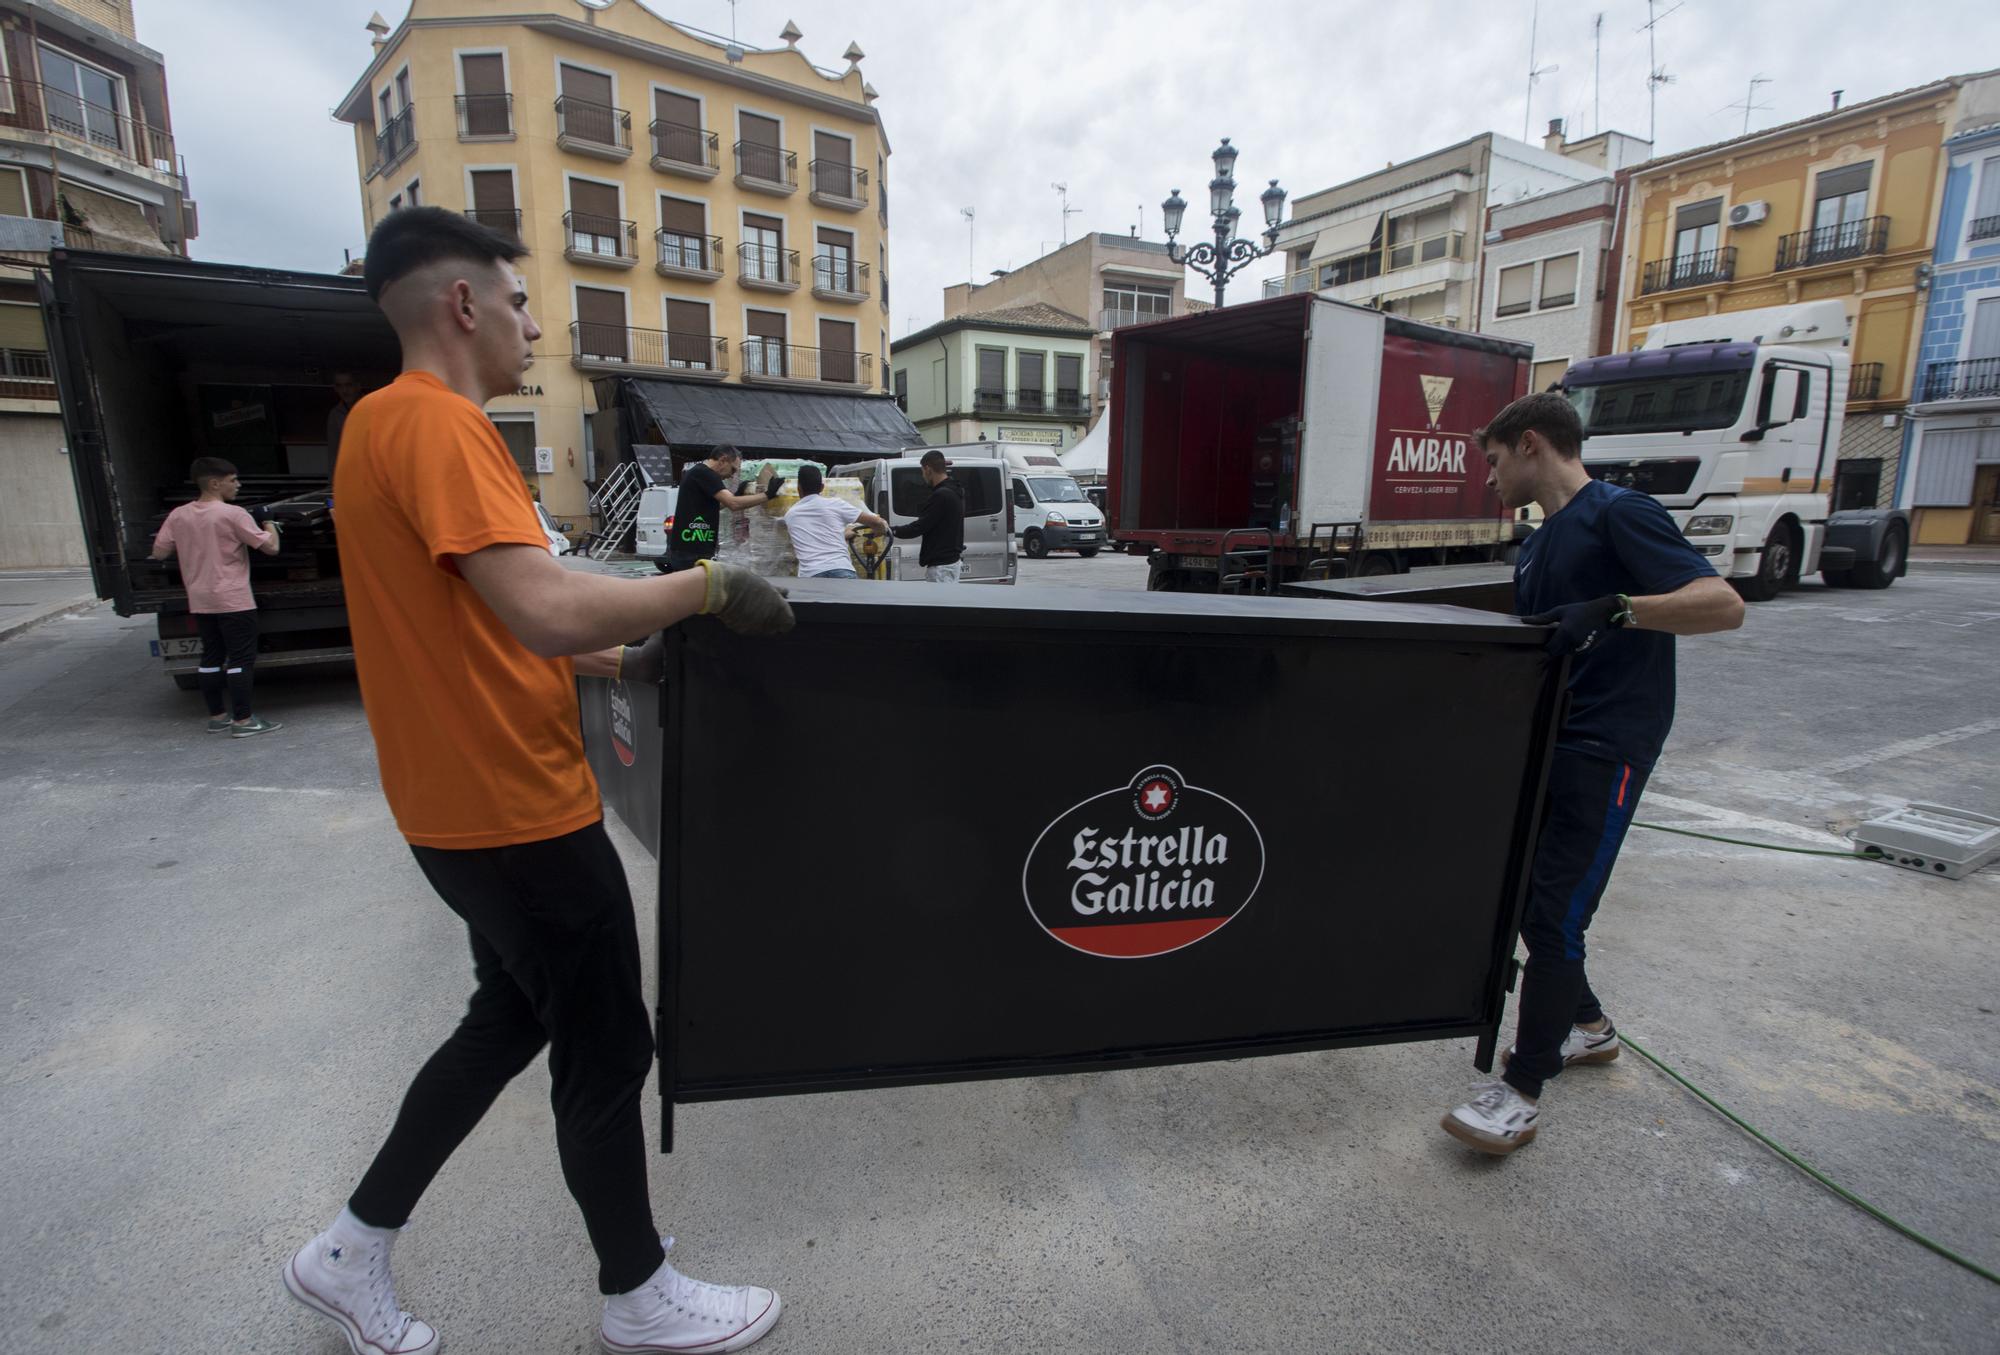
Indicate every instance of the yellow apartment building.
{"type": "Point", "coordinates": [696, 209]}
{"type": "Point", "coordinates": [1844, 206]}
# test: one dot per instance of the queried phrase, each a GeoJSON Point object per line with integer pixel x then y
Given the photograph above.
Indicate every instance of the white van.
{"type": "Point", "coordinates": [1051, 511]}
{"type": "Point", "coordinates": [896, 491]}
{"type": "Point", "coordinates": [655, 523]}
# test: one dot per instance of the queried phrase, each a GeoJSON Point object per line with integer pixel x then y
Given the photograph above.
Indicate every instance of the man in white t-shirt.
{"type": "Point", "coordinates": [819, 524]}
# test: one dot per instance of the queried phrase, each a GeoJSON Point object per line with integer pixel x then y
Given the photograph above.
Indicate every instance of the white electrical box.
{"type": "Point", "coordinates": [545, 460]}
{"type": "Point", "coordinates": [1933, 839]}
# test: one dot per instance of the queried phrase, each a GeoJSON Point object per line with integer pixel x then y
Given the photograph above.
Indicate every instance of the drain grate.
{"type": "Point", "coordinates": [1934, 839]}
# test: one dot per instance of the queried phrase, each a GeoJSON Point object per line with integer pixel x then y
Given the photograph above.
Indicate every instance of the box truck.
{"type": "Point", "coordinates": [1302, 437]}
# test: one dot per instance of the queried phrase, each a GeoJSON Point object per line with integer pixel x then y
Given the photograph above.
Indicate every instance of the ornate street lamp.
{"type": "Point", "coordinates": [1223, 260]}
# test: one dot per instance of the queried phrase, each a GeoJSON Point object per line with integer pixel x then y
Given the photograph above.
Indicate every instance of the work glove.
{"type": "Point", "coordinates": [747, 603]}
{"type": "Point", "coordinates": [643, 663]}
{"type": "Point", "coordinates": [771, 490]}
{"type": "Point", "coordinates": [745, 487]}
{"type": "Point", "coordinates": [1580, 625]}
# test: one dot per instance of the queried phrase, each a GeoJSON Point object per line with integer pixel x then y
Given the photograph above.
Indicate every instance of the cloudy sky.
{"type": "Point", "coordinates": [988, 105]}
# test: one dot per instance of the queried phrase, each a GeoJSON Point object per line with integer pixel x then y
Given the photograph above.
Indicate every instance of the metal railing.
{"type": "Point", "coordinates": [836, 179]}
{"type": "Point", "coordinates": [679, 144]}
{"type": "Point", "coordinates": [767, 164]}
{"type": "Point", "coordinates": [605, 237]}
{"type": "Point", "coordinates": [595, 123]}
{"type": "Point", "coordinates": [1830, 244]}
{"type": "Point", "coordinates": [796, 362]}
{"type": "Point", "coordinates": [484, 115]}
{"type": "Point", "coordinates": [1301, 281]}
{"type": "Point", "coordinates": [1983, 228]}
{"type": "Point", "coordinates": [595, 344]}
{"type": "Point", "coordinates": [46, 108]}
{"type": "Point", "coordinates": [1111, 317]}
{"type": "Point", "coordinates": [1689, 270]}
{"type": "Point", "coordinates": [690, 253]}
{"type": "Point", "coordinates": [26, 373]}
{"type": "Point", "coordinates": [1865, 382]}
{"type": "Point", "coordinates": [506, 220]}
{"type": "Point", "coordinates": [1063, 403]}
{"type": "Point", "coordinates": [1967, 379]}
{"type": "Point", "coordinates": [767, 263]}
{"type": "Point", "coordinates": [395, 141]}
{"type": "Point", "coordinates": [839, 276]}
{"type": "Point", "coordinates": [1431, 248]}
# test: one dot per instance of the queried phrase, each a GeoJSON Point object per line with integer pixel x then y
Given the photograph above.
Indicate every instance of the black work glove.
{"type": "Point", "coordinates": [1580, 625]}
{"type": "Point", "coordinates": [747, 603]}
{"type": "Point", "coordinates": [644, 663]}
{"type": "Point", "coordinates": [771, 490]}
{"type": "Point", "coordinates": [745, 487]}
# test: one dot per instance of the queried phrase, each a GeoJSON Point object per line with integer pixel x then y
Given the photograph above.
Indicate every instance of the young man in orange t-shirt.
{"type": "Point", "coordinates": [463, 627]}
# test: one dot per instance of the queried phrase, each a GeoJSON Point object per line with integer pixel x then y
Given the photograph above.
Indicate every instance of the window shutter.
{"type": "Point", "coordinates": [683, 217]}
{"type": "Point", "coordinates": [586, 86]}
{"type": "Point", "coordinates": [598, 200]}
{"type": "Point", "coordinates": [1559, 281]}
{"type": "Point", "coordinates": [767, 325]}
{"type": "Point", "coordinates": [483, 74]}
{"type": "Point", "coordinates": [1838, 183]}
{"type": "Point", "coordinates": [493, 190]}
{"type": "Point", "coordinates": [679, 109]}
{"type": "Point", "coordinates": [757, 131]}
{"type": "Point", "coordinates": [1699, 214]}
{"type": "Point", "coordinates": [1516, 289]}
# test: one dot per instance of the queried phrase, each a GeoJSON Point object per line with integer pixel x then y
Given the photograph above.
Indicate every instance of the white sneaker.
{"type": "Point", "coordinates": [1583, 1046]}
{"type": "Point", "coordinates": [1496, 1120]}
{"type": "Point", "coordinates": [671, 1312]}
{"type": "Point", "coordinates": [343, 1274]}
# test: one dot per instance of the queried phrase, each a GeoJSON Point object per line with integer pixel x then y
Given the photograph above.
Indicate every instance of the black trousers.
{"type": "Point", "coordinates": [228, 658]}
{"type": "Point", "coordinates": [556, 955]}
{"type": "Point", "coordinates": [1590, 805]}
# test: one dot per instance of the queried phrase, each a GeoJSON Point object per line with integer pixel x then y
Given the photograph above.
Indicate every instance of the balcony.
{"type": "Point", "coordinates": [1411, 253]}
{"type": "Point", "coordinates": [394, 143]}
{"type": "Point", "coordinates": [684, 150]}
{"type": "Point", "coordinates": [485, 117]}
{"type": "Point", "coordinates": [838, 185]}
{"type": "Point", "coordinates": [839, 279]}
{"type": "Point", "coordinates": [1689, 270]}
{"type": "Point", "coordinates": [1984, 228]}
{"type": "Point", "coordinates": [45, 108]}
{"type": "Point", "coordinates": [767, 268]}
{"type": "Point", "coordinates": [1057, 404]}
{"type": "Point", "coordinates": [593, 129]}
{"type": "Point", "coordinates": [1865, 382]}
{"type": "Point", "coordinates": [604, 240]}
{"type": "Point", "coordinates": [1301, 281]}
{"type": "Point", "coordinates": [595, 347]}
{"type": "Point", "coordinates": [1831, 244]}
{"type": "Point", "coordinates": [774, 362]}
{"type": "Point", "coordinates": [25, 374]}
{"type": "Point", "coordinates": [766, 169]}
{"type": "Point", "coordinates": [1116, 317]}
{"type": "Point", "coordinates": [688, 256]}
{"type": "Point", "coordinates": [1971, 379]}
{"type": "Point", "coordinates": [506, 220]}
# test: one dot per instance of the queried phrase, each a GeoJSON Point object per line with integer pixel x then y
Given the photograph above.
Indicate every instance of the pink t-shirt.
{"type": "Point", "coordinates": [213, 541]}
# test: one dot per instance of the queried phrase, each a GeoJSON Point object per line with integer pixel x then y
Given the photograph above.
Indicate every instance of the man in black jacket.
{"type": "Point", "coordinates": [941, 524]}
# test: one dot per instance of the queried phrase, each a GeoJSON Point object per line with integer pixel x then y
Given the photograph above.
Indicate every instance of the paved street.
{"type": "Point", "coordinates": [222, 967]}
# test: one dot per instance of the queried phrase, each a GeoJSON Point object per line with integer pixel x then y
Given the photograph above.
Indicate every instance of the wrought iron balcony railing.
{"type": "Point", "coordinates": [838, 278]}
{"type": "Point", "coordinates": [47, 108]}
{"type": "Point", "coordinates": [679, 147]}
{"type": "Point", "coordinates": [485, 115]}
{"type": "Point", "coordinates": [592, 238]}
{"type": "Point", "coordinates": [1061, 403]}
{"type": "Point", "coordinates": [1984, 228]}
{"type": "Point", "coordinates": [506, 220]}
{"type": "Point", "coordinates": [1689, 270]}
{"type": "Point", "coordinates": [778, 360]}
{"type": "Point", "coordinates": [1967, 379]}
{"type": "Point", "coordinates": [835, 184]}
{"type": "Point", "coordinates": [595, 345]}
{"type": "Point", "coordinates": [593, 128]}
{"type": "Point", "coordinates": [760, 165]}
{"type": "Point", "coordinates": [684, 253]}
{"type": "Point", "coordinates": [395, 141]}
{"type": "Point", "coordinates": [1865, 381]}
{"type": "Point", "coordinates": [25, 373]}
{"type": "Point", "coordinates": [767, 266]}
{"type": "Point", "coordinates": [1831, 244]}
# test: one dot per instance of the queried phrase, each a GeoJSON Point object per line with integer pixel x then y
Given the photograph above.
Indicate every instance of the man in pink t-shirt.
{"type": "Point", "coordinates": [213, 538]}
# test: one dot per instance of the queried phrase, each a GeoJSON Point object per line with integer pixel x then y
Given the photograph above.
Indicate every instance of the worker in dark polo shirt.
{"type": "Point", "coordinates": [942, 523]}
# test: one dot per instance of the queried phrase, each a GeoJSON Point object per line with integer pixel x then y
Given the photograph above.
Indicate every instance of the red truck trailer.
{"type": "Point", "coordinates": [1304, 438]}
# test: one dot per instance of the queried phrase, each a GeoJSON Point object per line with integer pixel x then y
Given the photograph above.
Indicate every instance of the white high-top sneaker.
{"type": "Point", "coordinates": [343, 1274]}
{"type": "Point", "coordinates": [1496, 1120]}
{"type": "Point", "coordinates": [1583, 1046]}
{"type": "Point", "coordinates": [673, 1313]}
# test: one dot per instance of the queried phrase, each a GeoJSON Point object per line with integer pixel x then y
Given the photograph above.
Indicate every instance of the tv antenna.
{"type": "Point", "coordinates": [1596, 80]}
{"type": "Point", "coordinates": [1656, 74]}
{"type": "Point", "coordinates": [966, 212]}
{"type": "Point", "coordinates": [1750, 104]}
{"type": "Point", "coordinates": [1534, 73]}
{"type": "Point", "coordinates": [1067, 210]}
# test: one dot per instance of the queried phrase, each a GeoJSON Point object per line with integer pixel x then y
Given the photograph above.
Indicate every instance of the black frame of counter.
{"type": "Point", "coordinates": [856, 645]}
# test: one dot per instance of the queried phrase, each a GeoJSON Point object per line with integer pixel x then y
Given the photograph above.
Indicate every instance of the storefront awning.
{"type": "Point", "coordinates": [1412, 293]}
{"type": "Point", "coordinates": [1352, 237]}
{"type": "Point", "coordinates": [802, 422]}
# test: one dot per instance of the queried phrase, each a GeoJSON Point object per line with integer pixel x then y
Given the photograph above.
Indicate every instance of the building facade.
{"type": "Point", "coordinates": [87, 160]}
{"type": "Point", "coordinates": [1108, 280]}
{"type": "Point", "coordinates": [1409, 239]}
{"type": "Point", "coordinates": [695, 210]}
{"type": "Point", "coordinates": [1548, 264]}
{"type": "Point", "coordinates": [1012, 375]}
{"type": "Point", "coordinates": [1950, 472]}
{"type": "Point", "coordinates": [1843, 205]}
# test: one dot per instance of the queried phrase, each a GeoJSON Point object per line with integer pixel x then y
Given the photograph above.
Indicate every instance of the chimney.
{"type": "Point", "coordinates": [1554, 140]}
{"type": "Point", "coordinates": [1836, 99]}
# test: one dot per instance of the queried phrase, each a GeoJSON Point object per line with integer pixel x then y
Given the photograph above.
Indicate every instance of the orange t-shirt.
{"type": "Point", "coordinates": [478, 738]}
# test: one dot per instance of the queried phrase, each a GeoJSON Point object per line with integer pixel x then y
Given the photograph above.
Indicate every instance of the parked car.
{"type": "Point", "coordinates": [559, 543]}
{"type": "Point", "coordinates": [655, 523]}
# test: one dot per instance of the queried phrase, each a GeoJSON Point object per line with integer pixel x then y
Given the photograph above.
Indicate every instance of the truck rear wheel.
{"type": "Point", "coordinates": [1375, 566]}
{"type": "Point", "coordinates": [1883, 569]}
{"type": "Point", "coordinates": [1777, 568]}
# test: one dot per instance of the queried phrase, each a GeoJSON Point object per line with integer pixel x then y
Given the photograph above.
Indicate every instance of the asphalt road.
{"type": "Point", "coordinates": [221, 967]}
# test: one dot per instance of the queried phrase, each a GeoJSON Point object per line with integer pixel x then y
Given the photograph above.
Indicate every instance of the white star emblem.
{"type": "Point", "coordinates": [1156, 797]}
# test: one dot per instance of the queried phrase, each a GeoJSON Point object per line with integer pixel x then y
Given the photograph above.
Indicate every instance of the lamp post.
{"type": "Point", "coordinates": [1223, 260]}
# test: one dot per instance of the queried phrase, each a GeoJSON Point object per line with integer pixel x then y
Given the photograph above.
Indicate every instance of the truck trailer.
{"type": "Point", "coordinates": [1733, 423]}
{"type": "Point", "coordinates": [1300, 438]}
{"type": "Point", "coordinates": [161, 360]}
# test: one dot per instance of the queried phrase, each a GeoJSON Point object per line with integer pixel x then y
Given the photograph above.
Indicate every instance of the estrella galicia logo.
{"type": "Point", "coordinates": [1148, 868]}
{"type": "Point", "coordinates": [622, 724]}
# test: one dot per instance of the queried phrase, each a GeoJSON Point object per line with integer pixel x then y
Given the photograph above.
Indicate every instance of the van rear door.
{"type": "Point", "coordinates": [989, 551]}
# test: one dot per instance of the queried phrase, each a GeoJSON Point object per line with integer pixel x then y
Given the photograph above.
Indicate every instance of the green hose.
{"type": "Point", "coordinates": [1865, 854]}
{"type": "Point", "coordinates": [1878, 1215]}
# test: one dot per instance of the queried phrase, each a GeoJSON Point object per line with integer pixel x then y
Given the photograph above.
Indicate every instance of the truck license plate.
{"type": "Point", "coordinates": [1198, 562]}
{"type": "Point", "coordinates": [188, 647]}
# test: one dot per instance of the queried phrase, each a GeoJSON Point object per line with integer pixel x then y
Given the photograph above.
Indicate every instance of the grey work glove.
{"type": "Point", "coordinates": [644, 663]}
{"type": "Point", "coordinates": [747, 603]}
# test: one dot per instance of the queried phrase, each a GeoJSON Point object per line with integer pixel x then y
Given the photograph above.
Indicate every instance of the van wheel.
{"type": "Point", "coordinates": [1087, 552]}
{"type": "Point", "coordinates": [1777, 569]}
{"type": "Point", "coordinates": [1882, 571]}
{"type": "Point", "coordinates": [1162, 581]}
{"type": "Point", "coordinates": [1035, 546]}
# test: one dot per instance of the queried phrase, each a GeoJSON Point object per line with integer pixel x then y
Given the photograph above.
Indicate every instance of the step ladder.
{"type": "Point", "coordinates": [616, 504]}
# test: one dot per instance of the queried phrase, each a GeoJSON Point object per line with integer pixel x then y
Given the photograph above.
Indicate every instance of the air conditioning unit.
{"type": "Point", "coordinates": [1748, 213]}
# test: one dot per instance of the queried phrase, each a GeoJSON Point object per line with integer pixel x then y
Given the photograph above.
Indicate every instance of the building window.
{"type": "Point", "coordinates": [684, 234]}
{"type": "Point", "coordinates": [395, 201]}
{"type": "Point", "coordinates": [833, 262]}
{"type": "Point", "coordinates": [1547, 374]}
{"type": "Point", "coordinates": [1028, 381]}
{"type": "Point", "coordinates": [1697, 234]}
{"type": "Point", "coordinates": [689, 342]}
{"type": "Point", "coordinates": [1353, 268]}
{"type": "Point", "coordinates": [764, 352]}
{"type": "Point", "coordinates": [764, 248]}
{"type": "Point", "coordinates": [484, 108]}
{"type": "Point", "coordinates": [1840, 201]}
{"type": "Point", "coordinates": [1517, 290]}
{"type": "Point", "coordinates": [1069, 383]}
{"type": "Point", "coordinates": [837, 340]}
{"type": "Point", "coordinates": [83, 101]}
{"type": "Point", "coordinates": [518, 432]}
{"type": "Point", "coordinates": [1986, 208]}
{"type": "Point", "coordinates": [493, 201]}
{"type": "Point", "coordinates": [760, 152]}
{"type": "Point", "coordinates": [595, 226]}
{"type": "Point", "coordinates": [990, 394]}
{"type": "Point", "coordinates": [1558, 282]}
{"type": "Point", "coordinates": [413, 195]}
{"type": "Point", "coordinates": [1134, 305]}
{"type": "Point", "coordinates": [903, 389]}
{"type": "Point", "coordinates": [1420, 238]}
{"type": "Point", "coordinates": [14, 192]}
{"type": "Point", "coordinates": [600, 325]}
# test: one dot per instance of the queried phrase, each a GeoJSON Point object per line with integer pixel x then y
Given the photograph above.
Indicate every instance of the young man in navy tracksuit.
{"type": "Point", "coordinates": [1616, 579]}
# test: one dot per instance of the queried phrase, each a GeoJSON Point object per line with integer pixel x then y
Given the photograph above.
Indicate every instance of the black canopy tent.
{"type": "Point", "coordinates": [689, 418]}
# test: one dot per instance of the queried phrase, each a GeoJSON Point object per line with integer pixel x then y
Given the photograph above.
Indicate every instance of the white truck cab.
{"type": "Point", "coordinates": [1733, 423]}
{"type": "Point", "coordinates": [1051, 511]}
